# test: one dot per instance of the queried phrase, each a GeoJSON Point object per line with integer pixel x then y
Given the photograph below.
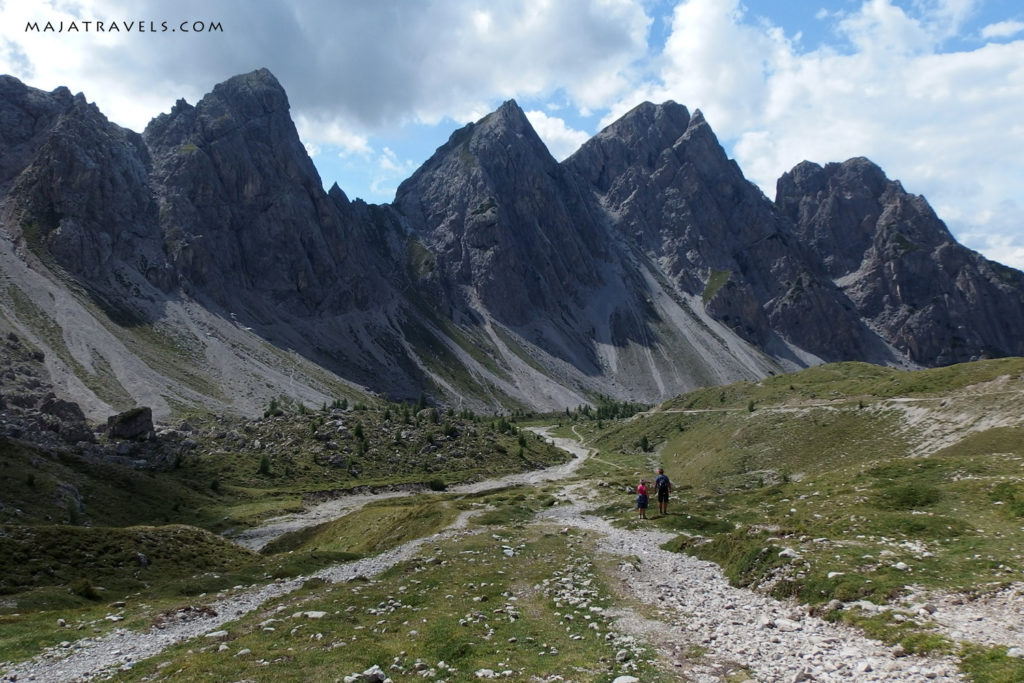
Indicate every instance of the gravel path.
{"type": "Point", "coordinates": [692, 608]}
{"type": "Point", "coordinates": [258, 537]}
{"type": "Point", "coordinates": [98, 658]}
{"type": "Point", "coordinates": [95, 658]}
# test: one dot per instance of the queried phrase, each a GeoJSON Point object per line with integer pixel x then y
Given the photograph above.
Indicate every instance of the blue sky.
{"type": "Point", "coordinates": [931, 90]}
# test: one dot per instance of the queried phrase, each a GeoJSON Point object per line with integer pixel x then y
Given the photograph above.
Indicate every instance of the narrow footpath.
{"type": "Point", "coordinates": [703, 628]}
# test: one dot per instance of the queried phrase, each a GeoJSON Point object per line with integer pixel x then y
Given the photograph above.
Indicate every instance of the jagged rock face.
{"type": "Point", "coordinates": [242, 206]}
{"type": "Point", "coordinates": [640, 266]}
{"type": "Point", "coordinates": [76, 185]}
{"type": "Point", "coordinates": [674, 193]}
{"type": "Point", "coordinates": [932, 298]}
{"type": "Point", "coordinates": [500, 216]}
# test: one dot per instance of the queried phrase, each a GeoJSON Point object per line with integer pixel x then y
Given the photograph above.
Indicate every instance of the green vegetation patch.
{"type": "Point", "coordinates": [91, 556]}
{"type": "Point", "coordinates": [716, 281]}
{"type": "Point", "coordinates": [372, 529]}
{"type": "Point", "coordinates": [497, 601]}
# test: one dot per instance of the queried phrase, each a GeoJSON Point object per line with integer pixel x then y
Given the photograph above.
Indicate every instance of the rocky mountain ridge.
{"type": "Point", "coordinates": [201, 264]}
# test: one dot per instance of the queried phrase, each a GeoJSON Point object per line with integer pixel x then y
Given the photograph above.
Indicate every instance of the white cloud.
{"type": "Point", "coordinates": [319, 132]}
{"type": "Point", "coordinates": [390, 163]}
{"type": "Point", "coordinates": [945, 123]}
{"type": "Point", "coordinates": [389, 172]}
{"type": "Point", "coordinates": [561, 140]}
{"type": "Point", "coordinates": [1002, 29]}
{"type": "Point", "coordinates": [350, 69]}
{"type": "Point", "coordinates": [881, 27]}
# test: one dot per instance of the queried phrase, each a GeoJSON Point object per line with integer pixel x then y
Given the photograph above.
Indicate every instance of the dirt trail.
{"type": "Point", "coordinates": [91, 658]}
{"type": "Point", "coordinates": [257, 537]}
{"type": "Point", "coordinates": [691, 608]}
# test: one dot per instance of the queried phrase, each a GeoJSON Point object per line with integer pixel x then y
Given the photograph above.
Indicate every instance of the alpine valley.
{"type": "Point", "coordinates": [200, 265]}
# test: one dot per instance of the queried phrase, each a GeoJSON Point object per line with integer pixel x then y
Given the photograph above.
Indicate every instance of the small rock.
{"type": "Point", "coordinates": [1017, 652]}
{"type": "Point", "coordinates": [787, 625]}
{"type": "Point", "coordinates": [218, 635]}
{"type": "Point", "coordinates": [626, 679]}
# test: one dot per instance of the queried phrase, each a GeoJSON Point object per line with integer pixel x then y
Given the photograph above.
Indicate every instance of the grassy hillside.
{"type": "Point", "coordinates": [872, 478]}
{"type": "Point", "coordinates": [230, 473]}
{"type": "Point", "coordinates": [844, 482]}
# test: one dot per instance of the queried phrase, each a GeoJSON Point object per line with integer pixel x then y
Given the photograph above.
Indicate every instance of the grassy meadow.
{"type": "Point", "coordinates": [846, 482]}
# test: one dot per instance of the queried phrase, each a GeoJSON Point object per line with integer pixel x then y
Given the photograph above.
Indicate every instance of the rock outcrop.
{"type": "Point", "coordinates": [242, 208]}
{"type": "Point", "coordinates": [133, 424]}
{"type": "Point", "coordinates": [931, 298]}
{"type": "Point", "coordinates": [501, 216]}
{"type": "Point", "coordinates": [76, 188]}
{"type": "Point", "coordinates": [673, 192]}
{"type": "Point", "coordinates": [642, 266]}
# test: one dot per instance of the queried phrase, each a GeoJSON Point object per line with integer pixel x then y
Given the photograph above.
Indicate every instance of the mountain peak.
{"type": "Point", "coordinates": [651, 124]}
{"type": "Point", "coordinates": [257, 92]}
{"type": "Point", "coordinates": [508, 119]}
{"type": "Point", "coordinates": [510, 109]}
{"type": "Point", "coordinates": [639, 137]}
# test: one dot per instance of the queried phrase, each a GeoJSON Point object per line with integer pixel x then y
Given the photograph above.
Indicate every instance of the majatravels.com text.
{"type": "Point", "coordinates": [124, 27]}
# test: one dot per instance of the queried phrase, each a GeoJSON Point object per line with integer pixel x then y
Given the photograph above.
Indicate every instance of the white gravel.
{"type": "Point", "coordinates": [691, 608]}
{"type": "Point", "coordinates": [257, 537]}
{"type": "Point", "coordinates": [101, 657]}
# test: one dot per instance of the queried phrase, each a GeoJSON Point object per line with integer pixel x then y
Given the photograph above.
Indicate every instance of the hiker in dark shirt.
{"type": "Point", "coordinates": [662, 487]}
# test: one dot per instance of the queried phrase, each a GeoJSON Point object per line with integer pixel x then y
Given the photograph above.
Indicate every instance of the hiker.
{"type": "Point", "coordinates": [641, 498]}
{"type": "Point", "coordinates": [662, 486]}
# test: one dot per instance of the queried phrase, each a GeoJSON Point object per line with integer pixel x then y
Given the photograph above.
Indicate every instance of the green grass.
{"type": "Point", "coordinates": [716, 281]}
{"type": "Point", "coordinates": [825, 456]}
{"type": "Point", "coordinates": [463, 602]}
{"type": "Point", "coordinates": [991, 665]}
{"type": "Point", "coordinates": [120, 559]}
{"type": "Point", "coordinates": [827, 490]}
{"type": "Point", "coordinates": [372, 529]}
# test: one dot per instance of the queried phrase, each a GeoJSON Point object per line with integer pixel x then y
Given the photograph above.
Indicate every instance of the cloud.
{"type": "Point", "coordinates": [351, 70]}
{"type": "Point", "coordinates": [1002, 29]}
{"type": "Point", "coordinates": [389, 172]}
{"type": "Point", "coordinates": [947, 123]}
{"type": "Point", "coordinates": [889, 87]}
{"type": "Point", "coordinates": [561, 140]}
{"type": "Point", "coordinates": [375, 63]}
{"type": "Point", "coordinates": [331, 132]}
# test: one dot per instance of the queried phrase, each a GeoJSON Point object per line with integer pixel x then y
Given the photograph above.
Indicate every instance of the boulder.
{"type": "Point", "coordinates": [134, 424]}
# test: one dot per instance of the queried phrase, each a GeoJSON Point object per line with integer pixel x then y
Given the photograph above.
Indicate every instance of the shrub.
{"type": "Point", "coordinates": [909, 496]}
{"type": "Point", "coordinates": [85, 589]}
